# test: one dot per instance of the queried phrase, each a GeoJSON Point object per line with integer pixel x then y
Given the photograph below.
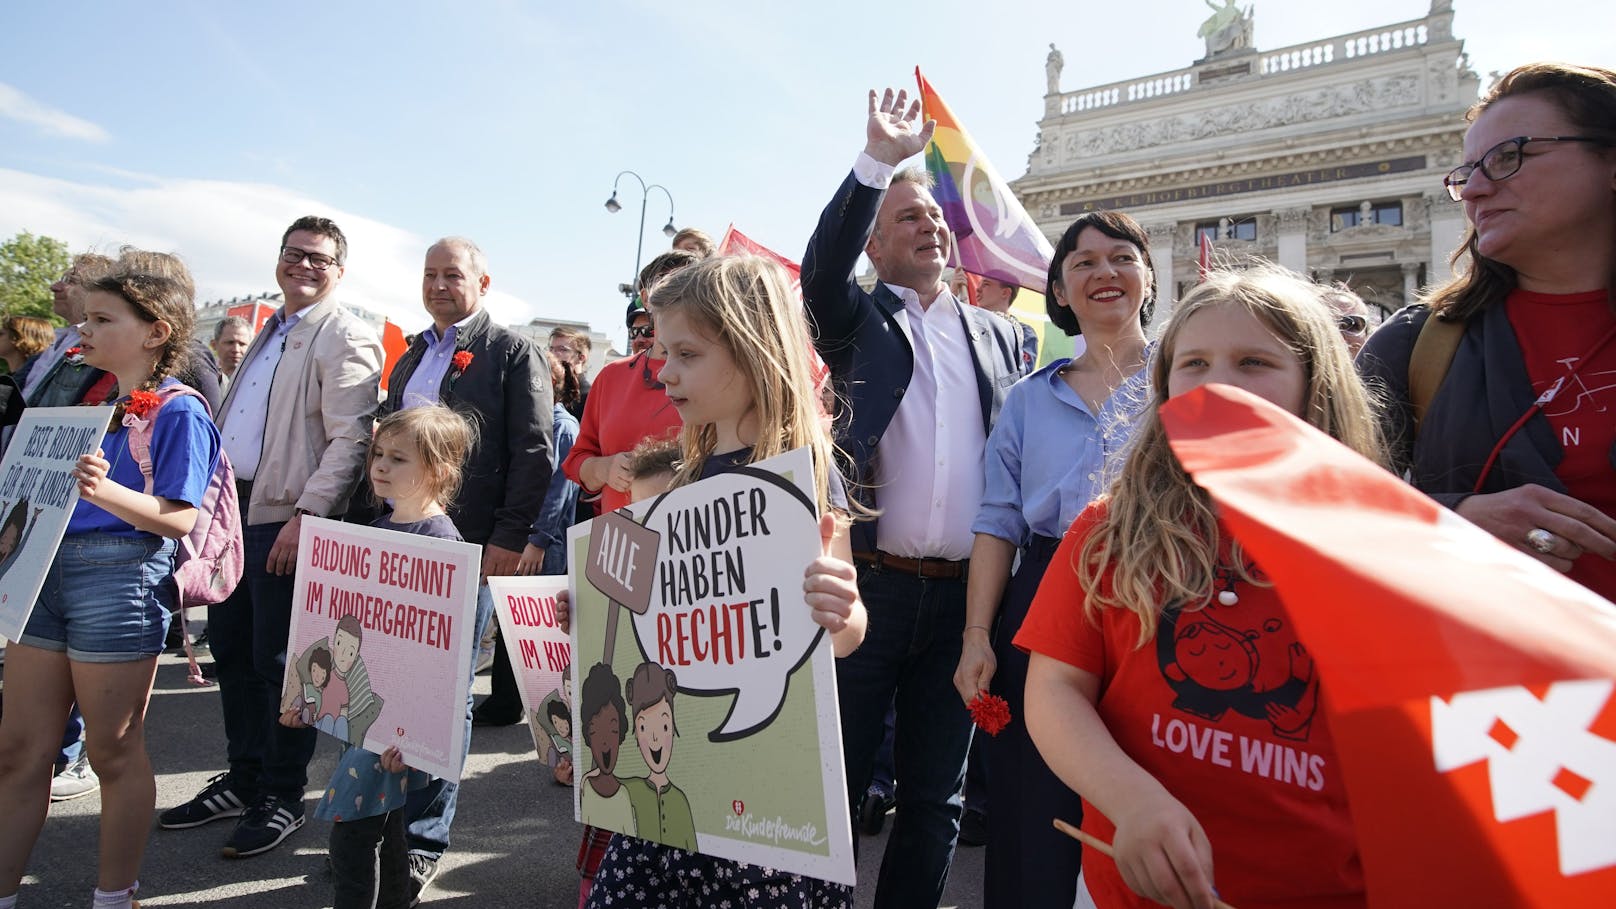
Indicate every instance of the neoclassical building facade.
{"type": "Point", "coordinates": [1326, 157]}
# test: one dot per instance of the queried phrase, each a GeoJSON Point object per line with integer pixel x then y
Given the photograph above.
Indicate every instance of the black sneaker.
{"type": "Point", "coordinates": [423, 871]}
{"type": "Point", "coordinates": [263, 826]}
{"type": "Point", "coordinates": [219, 798]}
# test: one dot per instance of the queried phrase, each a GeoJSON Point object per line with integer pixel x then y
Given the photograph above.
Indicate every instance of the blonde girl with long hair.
{"type": "Point", "coordinates": [1166, 684]}
{"type": "Point", "coordinates": [738, 370]}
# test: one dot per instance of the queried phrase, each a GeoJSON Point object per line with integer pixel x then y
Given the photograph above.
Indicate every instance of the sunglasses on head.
{"type": "Point", "coordinates": [1352, 325]}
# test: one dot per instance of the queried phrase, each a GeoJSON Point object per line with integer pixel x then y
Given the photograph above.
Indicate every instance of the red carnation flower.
{"type": "Point", "coordinates": [990, 712]}
{"type": "Point", "coordinates": [461, 360]}
{"type": "Point", "coordinates": [74, 351]}
{"type": "Point", "coordinates": [141, 403]}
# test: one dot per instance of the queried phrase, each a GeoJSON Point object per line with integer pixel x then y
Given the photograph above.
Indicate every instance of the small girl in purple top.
{"type": "Point", "coordinates": [415, 462]}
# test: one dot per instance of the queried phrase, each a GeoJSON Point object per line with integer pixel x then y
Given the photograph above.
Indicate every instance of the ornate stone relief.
{"type": "Point", "coordinates": [1362, 96]}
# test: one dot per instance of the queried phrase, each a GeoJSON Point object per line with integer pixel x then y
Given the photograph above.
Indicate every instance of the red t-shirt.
{"type": "Point", "coordinates": [1222, 708]}
{"type": "Point", "coordinates": [626, 406]}
{"type": "Point", "coordinates": [1554, 330]}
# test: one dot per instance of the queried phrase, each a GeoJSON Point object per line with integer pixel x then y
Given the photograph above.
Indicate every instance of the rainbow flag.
{"type": "Point", "coordinates": [994, 237]}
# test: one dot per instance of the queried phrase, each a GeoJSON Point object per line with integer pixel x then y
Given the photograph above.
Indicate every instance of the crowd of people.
{"type": "Point", "coordinates": [990, 525]}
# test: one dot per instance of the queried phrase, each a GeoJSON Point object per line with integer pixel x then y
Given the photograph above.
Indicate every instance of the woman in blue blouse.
{"type": "Point", "coordinates": [1045, 461]}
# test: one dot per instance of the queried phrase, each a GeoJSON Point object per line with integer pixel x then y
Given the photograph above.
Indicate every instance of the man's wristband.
{"type": "Point", "coordinates": [984, 628]}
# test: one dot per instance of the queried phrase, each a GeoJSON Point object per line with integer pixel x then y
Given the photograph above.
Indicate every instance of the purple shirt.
{"type": "Point", "coordinates": [427, 379]}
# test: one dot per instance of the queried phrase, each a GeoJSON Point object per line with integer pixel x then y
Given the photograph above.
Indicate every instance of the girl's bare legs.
{"type": "Point", "coordinates": [41, 685]}
{"type": "Point", "coordinates": [113, 698]}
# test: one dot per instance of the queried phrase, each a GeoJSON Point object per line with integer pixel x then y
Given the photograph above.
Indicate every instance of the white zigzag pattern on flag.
{"type": "Point", "coordinates": [1540, 757]}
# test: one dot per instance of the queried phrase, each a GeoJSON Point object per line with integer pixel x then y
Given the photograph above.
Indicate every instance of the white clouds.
{"type": "Point", "coordinates": [227, 233]}
{"type": "Point", "coordinates": [48, 120]}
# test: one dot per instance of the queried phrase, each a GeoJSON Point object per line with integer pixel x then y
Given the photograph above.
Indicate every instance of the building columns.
{"type": "Point", "coordinates": [1161, 262]}
{"type": "Point", "coordinates": [1292, 252]}
{"type": "Point", "coordinates": [1447, 232]}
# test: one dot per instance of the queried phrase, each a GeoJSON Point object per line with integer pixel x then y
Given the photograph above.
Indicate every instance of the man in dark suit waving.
{"type": "Point", "coordinates": [923, 377]}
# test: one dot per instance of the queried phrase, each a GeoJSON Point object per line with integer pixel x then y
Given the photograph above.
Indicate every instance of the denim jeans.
{"type": "Point", "coordinates": [72, 737]}
{"type": "Point", "coordinates": [106, 598]}
{"type": "Point", "coordinates": [248, 633]}
{"type": "Point", "coordinates": [908, 659]}
{"type": "Point", "coordinates": [430, 811]}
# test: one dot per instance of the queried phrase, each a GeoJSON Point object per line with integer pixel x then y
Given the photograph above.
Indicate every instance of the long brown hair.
{"type": "Point", "coordinates": [1158, 538]}
{"type": "Point", "coordinates": [1587, 95]}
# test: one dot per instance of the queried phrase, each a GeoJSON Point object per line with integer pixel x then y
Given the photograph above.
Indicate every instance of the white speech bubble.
{"type": "Point", "coordinates": [727, 613]}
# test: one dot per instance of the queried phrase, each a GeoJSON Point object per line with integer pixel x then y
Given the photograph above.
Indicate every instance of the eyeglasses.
{"type": "Point", "coordinates": [1500, 162]}
{"type": "Point", "coordinates": [291, 255]}
{"type": "Point", "coordinates": [642, 331]}
{"type": "Point", "coordinates": [1352, 325]}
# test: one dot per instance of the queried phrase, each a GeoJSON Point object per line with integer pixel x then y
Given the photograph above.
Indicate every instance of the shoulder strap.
{"type": "Point", "coordinates": [1428, 364]}
{"type": "Point", "coordinates": [140, 432]}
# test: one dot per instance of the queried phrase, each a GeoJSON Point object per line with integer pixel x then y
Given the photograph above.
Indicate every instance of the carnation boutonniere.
{"type": "Point", "coordinates": [138, 408]}
{"type": "Point", "coordinates": [459, 362]}
{"type": "Point", "coordinates": [74, 356]}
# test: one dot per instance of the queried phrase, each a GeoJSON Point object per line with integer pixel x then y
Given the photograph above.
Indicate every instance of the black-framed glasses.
{"type": "Point", "coordinates": [642, 331]}
{"type": "Point", "coordinates": [1352, 325]}
{"type": "Point", "coordinates": [1500, 162]}
{"type": "Point", "coordinates": [291, 255]}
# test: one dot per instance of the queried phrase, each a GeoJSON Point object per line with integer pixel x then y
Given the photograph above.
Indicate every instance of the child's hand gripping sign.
{"type": "Point", "coordinates": [711, 575]}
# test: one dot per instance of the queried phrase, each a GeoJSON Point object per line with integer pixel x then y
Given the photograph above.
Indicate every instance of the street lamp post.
{"type": "Point", "coordinates": [613, 206]}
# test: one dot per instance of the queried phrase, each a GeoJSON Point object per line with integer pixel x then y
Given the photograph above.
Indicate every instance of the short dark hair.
{"type": "Point", "coordinates": [602, 690]}
{"type": "Point", "coordinates": [324, 227]}
{"type": "Point", "coordinates": [1115, 225]}
{"type": "Point", "coordinates": [663, 265]}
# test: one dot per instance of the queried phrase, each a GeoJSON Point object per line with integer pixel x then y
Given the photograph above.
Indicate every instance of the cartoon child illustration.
{"type": "Point", "coordinates": [14, 533]}
{"type": "Point", "coordinates": [313, 689]}
{"type": "Point", "coordinates": [661, 810]}
{"type": "Point", "coordinates": [605, 800]}
{"type": "Point", "coordinates": [346, 705]}
{"type": "Point", "coordinates": [1231, 657]}
{"type": "Point", "coordinates": [560, 717]}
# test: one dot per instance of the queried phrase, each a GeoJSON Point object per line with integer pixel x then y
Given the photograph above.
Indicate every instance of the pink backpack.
{"type": "Point", "coordinates": [208, 562]}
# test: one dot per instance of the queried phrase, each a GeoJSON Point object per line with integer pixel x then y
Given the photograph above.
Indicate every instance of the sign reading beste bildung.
{"type": "Point", "coordinates": [37, 497]}
{"type": "Point", "coordinates": [379, 652]}
{"type": "Point", "coordinates": [541, 656]}
{"type": "Point", "coordinates": [704, 705]}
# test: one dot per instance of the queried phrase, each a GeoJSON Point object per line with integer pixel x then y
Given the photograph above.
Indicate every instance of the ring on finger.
{"type": "Point", "coordinates": [1541, 540]}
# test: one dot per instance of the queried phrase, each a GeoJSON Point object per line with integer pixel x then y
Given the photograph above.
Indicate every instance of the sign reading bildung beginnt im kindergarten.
{"type": "Point", "coordinates": [541, 655]}
{"type": "Point", "coordinates": [37, 497]}
{"type": "Point", "coordinates": [379, 652]}
{"type": "Point", "coordinates": [704, 695]}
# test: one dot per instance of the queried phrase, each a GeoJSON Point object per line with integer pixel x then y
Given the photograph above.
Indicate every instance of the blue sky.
{"type": "Point", "coordinates": [203, 128]}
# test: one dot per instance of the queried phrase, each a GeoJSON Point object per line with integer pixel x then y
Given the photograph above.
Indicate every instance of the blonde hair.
{"type": "Point", "coordinates": [443, 437]}
{"type": "Point", "coordinates": [745, 303]}
{"type": "Point", "coordinates": [1158, 537]}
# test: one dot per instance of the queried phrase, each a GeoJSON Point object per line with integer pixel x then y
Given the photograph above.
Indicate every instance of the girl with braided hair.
{"type": "Point", "coordinates": [99, 622]}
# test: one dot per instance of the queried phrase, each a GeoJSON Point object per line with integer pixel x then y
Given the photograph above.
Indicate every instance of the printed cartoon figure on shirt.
{"type": "Point", "coordinates": [661, 810]}
{"type": "Point", "coordinates": [605, 800]}
{"type": "Point", "coordinates": [1239, 653]}
{"type": "Point", "coordinates": [344, 705]}
{"type": "Point", "coordinates": [14, 533]}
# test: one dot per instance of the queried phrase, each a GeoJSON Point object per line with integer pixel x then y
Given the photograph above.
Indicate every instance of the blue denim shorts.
{"type": "Point", "coordinates": [106, 599]}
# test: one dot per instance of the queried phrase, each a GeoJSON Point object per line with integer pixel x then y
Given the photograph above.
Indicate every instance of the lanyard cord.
{"type": "Point", "coordinates": [1541, 402]}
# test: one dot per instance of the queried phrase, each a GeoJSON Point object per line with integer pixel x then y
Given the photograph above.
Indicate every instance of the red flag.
{"type": "Point", "coordinates": [393, 347]}
{"type": "Point", "coordinates": [1205, 263]}
{"type": "Point", "coordinates": [1469, 686]}
{"type": "Point", "coordinates": [256, 314]}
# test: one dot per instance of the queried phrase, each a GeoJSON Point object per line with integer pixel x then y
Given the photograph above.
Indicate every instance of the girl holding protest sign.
{"type": "Point", "coordinates": [99, 621]}
{"type": "Point", "coordinates": [415, 462]}
{"type": "Point", "coordinates": [1166, 683]}
{"type": "Point", "coordinates": [738, 372]}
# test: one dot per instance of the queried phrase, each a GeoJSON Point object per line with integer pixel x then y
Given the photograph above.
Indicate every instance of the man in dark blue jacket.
{"type": "Point", "coordinates": [922, 377]}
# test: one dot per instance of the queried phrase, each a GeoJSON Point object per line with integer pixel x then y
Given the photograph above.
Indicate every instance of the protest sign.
{"type": "Point", "coordinates": [706, 583]}
{"type": "Point", "coordinates": [379, 652]}
{"type": "Point", "coordinates": [541, 655]}
{"type": "Point", "coordinates": [37, 497]}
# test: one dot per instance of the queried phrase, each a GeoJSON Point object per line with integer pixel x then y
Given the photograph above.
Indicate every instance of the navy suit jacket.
{"type": "Point", "coordinates": [870, 358]}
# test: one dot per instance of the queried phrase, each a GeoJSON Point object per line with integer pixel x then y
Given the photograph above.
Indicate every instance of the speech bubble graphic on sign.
{"type": "Point", "coordinates": [725, 611]}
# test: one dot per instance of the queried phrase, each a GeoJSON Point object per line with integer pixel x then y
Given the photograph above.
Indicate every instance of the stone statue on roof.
{"type": "Point", "coordinates": [1227, 29]}
{"type": "Point", "coordinates": [1052, 68]}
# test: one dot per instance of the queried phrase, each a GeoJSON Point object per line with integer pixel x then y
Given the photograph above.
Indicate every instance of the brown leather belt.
{"type": "Point", "coordinates": [922, 568]}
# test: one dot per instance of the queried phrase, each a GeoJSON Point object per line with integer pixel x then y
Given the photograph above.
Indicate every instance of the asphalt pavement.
{"type": "Point", "coordinates": [515, 841]}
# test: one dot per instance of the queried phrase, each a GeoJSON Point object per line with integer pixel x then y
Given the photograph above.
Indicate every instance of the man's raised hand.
{"type": "Point", "coordinates": [895, 132]}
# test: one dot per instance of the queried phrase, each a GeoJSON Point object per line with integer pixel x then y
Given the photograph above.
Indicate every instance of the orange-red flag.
{"type": "Point", "coordinates": [1469, 686]}
{"type": "Point", "coordinates": [393, 347]}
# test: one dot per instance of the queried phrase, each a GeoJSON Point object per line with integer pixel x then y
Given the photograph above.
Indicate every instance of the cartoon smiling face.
{"type": "Point", "coordinates": [1212, 656]}
{"type": "Point", "coordinates": [604, 734]}
{"type": "Point", "coordinates": [653, 730]}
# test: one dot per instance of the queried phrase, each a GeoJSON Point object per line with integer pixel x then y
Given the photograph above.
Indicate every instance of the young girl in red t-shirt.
{"type": "Point", "coordinates": [1166, 683]}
